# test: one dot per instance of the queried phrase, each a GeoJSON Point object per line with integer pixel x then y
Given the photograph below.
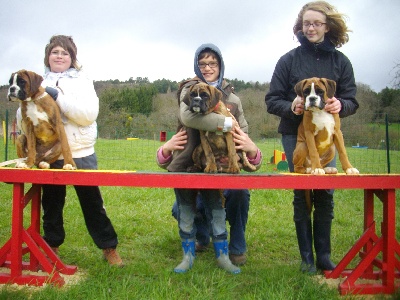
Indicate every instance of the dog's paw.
{"type": "Point", "coordinates": [22, 165]}
{"type": "Point", "coordinates": [44, 165]}
{"type": "Point", "coordinates": [318, 171]}
{"type": "Point", "coordinates": [330, 170]}
{"type": "Point", "coordinates": [352, 171]}
{"type": "Point", "coordinates": [68, 167]}
{"type": "Point", "coordinates": [211, 169]}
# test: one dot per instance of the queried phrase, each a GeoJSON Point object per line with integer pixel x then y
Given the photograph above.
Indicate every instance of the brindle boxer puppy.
{"type": "Point", "coordinates": [44, 137]}
{"type": "Point", "coordinates": [215, 146]}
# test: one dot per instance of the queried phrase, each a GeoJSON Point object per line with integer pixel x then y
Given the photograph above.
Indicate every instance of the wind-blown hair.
{"type": "Point", "coordinates": [335, 22]}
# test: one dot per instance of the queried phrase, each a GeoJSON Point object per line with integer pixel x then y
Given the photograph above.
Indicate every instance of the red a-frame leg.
{"type": "Point", "coordinates": [368, 247]}
{"type": "Point", "coordinates": [41, 256]}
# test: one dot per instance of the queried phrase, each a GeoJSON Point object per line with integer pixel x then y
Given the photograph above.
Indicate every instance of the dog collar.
{"type": "Point", "coordinates": [38, 98]}
{"type": "Point", "coordinates": [216, 107]}
{"type": "Point", "coordinates": [41, 96]}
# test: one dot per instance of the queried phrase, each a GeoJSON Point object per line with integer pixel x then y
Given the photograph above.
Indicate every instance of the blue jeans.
{"type": "Point", "coordinates": [186, 199]}
{"type": "Point", "coordinates": [322, 199]}
{"type": "Point", "coordinates": [237, 208]}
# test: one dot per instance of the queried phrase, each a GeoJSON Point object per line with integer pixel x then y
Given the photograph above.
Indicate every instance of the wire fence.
{"type": "Point", "coordinates": [373, 146]}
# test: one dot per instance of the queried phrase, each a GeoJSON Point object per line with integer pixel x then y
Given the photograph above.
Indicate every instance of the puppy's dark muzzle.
{"type": "Point", "coordinates": [196, 101]}
{"type": "Point", "coordinates": [313, 101]}
{"type": "Point", "coordinates": [197, 105]}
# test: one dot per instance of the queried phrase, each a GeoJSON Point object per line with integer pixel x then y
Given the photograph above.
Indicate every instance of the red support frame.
{"type": "Point", "coordinates": [369, 246]}
{"type": "Point", "coordinates": [29, 242]}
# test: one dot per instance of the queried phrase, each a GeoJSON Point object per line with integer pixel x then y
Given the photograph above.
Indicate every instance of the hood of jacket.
{"type": "Point", "coordinates": [70, 73]}
{"type": "Point", "coordinates": [221, 67]}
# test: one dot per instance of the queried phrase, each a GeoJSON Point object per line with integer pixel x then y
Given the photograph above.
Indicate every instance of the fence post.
{"type": "Point", "coordinates": [387, 143]}
{"type": "Point", "coordinates": [6, 138]}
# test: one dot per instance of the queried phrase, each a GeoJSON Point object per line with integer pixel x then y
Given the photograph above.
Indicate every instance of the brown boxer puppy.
{"type": "Point", "coordinates": [215, 146]}
{"type": "Point", "coordinates": [43, 139]}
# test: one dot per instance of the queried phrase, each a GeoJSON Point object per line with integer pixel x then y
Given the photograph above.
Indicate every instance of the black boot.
{"type": "Point", "coordinates": [304, 239]}
{"type": "Point", "coordinates": [322, 244]}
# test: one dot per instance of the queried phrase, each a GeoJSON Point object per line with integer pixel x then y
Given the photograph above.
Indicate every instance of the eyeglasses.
{"type": "Point", "coordinates": [59, 53]}
{"type": "Point", "coordinates": [212, 65]}
{"type": "Point", "coordinates": [315, 25]}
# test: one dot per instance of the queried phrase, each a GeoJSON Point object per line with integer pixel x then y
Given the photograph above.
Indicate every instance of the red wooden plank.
{"type": "Point", "coordinates": [199, 180]}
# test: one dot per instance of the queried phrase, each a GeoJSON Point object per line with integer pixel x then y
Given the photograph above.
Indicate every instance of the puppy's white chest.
{"type": "Point", "coordinates": [321, 120]}
{"type": "Point", "coordinates": [35, 115]}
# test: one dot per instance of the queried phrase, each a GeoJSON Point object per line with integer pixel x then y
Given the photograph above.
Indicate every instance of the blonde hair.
{"type": "Point", "coordinates": [335, 22]}
{"type": "Point", "coordinates": [65, 42]}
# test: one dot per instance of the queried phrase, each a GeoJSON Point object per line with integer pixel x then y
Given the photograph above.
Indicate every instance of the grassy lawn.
{"type": "Point", "coordinates": [150, 246]}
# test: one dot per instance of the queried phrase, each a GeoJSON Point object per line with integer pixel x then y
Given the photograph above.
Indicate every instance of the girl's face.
{"type": "Point", "coordinates": [210, 74]}
{"type": "Point", "coordinates": [314, 26]}
{"type": "Point", "coordinates": [59, 60]}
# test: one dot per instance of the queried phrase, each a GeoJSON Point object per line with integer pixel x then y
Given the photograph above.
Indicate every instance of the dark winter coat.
{"type": "Point", "coordinates": [309, 60]}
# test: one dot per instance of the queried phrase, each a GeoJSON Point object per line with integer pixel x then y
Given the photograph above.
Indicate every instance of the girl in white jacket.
{"type": "Point", "coordinates": [79, 105]}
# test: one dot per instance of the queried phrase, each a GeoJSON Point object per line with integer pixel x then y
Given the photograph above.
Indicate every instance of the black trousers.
{"type": "Point", "coordinates": [97, 222]}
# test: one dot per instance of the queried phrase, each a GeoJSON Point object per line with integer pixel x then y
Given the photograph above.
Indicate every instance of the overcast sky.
{"type": "Point", "coordinates": [119, 39]}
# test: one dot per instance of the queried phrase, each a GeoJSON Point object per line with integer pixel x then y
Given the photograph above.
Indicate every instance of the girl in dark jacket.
{"type": "Point", "coordinates": [320, 29]}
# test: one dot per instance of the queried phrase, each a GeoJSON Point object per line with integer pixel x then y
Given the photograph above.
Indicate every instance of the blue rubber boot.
{"type": "Point", "coordinates": [188, 247]}
{"type": "Point", "coordinates": [223, 261]}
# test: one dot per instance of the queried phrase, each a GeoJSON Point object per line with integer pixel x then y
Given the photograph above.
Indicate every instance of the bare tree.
{"type": "Point", "coordinates": [396, 79]}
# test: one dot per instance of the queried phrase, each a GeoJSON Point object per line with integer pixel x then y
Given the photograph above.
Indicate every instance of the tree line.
{"type": "Point", "coordinates": [138, 107]}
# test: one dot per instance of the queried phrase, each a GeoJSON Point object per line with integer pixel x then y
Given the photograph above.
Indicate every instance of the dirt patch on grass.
{"type": "Point", "coordinates": [334, 283]}
{"type": "Point", "coordinates": [69, 280]}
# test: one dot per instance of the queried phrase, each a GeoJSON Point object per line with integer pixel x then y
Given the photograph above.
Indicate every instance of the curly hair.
{"type": "Point", "coordinates": [65, 42]}
{"type": "Point", "coordinates": [335, 22]}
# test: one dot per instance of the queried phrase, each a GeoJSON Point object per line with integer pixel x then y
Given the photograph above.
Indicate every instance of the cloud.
{"type": "Point", "coordinates": [157, 39]}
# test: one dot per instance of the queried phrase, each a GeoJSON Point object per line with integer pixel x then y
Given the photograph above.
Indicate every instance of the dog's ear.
{"type": "Point", "coordinates": [186, 98]}
{"type": "Point", "coordinates": [216, 96]}
{"type": "Point", "coordinates": [330, 86]}
{"type": "Point", "coordinates": [35, 81]}
{"type": "Point", "coordinates": [11, 81]}
{"type": "Point", "coordinates": [299, 87]}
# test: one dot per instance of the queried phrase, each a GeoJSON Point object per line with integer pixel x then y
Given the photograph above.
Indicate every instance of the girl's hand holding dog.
{"type": "Point", "coordinates": [244, 142]}
{"type": "Point", "coordinates": [176, 142]}
{"type": "Point", "coordinates": [333, 105]}
{"type": "Point", "coordinates": [298, 105]}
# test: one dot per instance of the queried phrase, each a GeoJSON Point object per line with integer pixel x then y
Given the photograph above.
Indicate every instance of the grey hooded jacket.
{"type": "Point", "coordinates": [192, 122]}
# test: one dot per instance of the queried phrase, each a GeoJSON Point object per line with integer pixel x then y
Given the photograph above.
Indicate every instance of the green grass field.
{"type": "Point", "coordinates": [150, 246]}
